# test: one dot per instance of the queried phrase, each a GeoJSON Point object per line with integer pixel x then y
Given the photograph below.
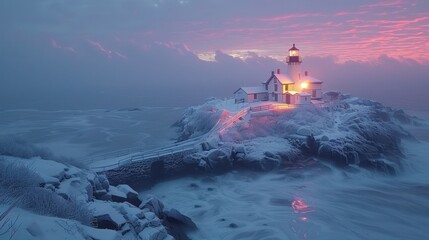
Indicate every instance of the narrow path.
{"type": "Point", "coordinates": [117, 159]}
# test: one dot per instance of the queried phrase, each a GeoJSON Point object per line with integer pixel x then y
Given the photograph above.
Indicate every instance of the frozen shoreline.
{"type": "Point", "coordinates": [318, 202]}
{"type": "Point", "coordinates": [84, 133]}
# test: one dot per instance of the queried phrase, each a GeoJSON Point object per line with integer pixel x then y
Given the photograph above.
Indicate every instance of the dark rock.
{"type": "Point", "coordinates": [269, 163]}
{"type": "Point", "coordinates": [381, 116]}
{"type": "Point", "coordinates": [105, 222]}
{"type": "Point", "coordinates": [175, 216]}
{"type": "Point", "coordinates": [154, 205]}
{"type": "Point", "coordinates": [233, 225]}
{"type": "Point", "coordinates": [402, 117]}
{"type": "Point", "coordinates": [105, 197]}
{"type": "Point", "coordinates": [206, 146]}
{"type": "Point", "coordinates": [131, 195]}
{"type": "Point", "coordinates": [194, 185]}
{"type": "Point", "coordinates": [338, 158]}
{"type": "Point", "coordinates": [99, 193]}
{"type": "Point", "coordinates": [210, 189]}
{"type": "Point", "coordinates": [117, 196]}
{"type": "Point", "coordinates": [311, 146]}
{"type": "Point", "coordinates": [219, 160]}
{"type": "Point", "coordinates": [177, 224]}
{"type": "Point", "coordinates": [104, 182]}
{"type": "Point", "coordinates": [157, 169]}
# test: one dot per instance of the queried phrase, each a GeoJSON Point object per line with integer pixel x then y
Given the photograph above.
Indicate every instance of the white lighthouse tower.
{"type": "Point", "coordinates": [294, 64]}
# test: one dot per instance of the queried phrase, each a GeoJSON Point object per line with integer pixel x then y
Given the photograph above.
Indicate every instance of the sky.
{"type": "Point", "coordinates": [79, 54]}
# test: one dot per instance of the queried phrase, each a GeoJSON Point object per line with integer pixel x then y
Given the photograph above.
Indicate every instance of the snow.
{"type": "Point", "coordinates": [284, 79]}
{"type": "Point", "coordinates": [84, 133]}
{"type": "Point", "coordinates": [115, 191]}
{"type": "Point", "coordinates": [248, 204]}
{"type": "Point", "coordinates": [257, 148]}
{"type": "Point", "coordinates": [100, 208]}
{"type": "Point", "coordinates": [101, 234]}
{"type": "Point", "coordinates": [31, 226]}
{"type": "Point", "coordinates": [252, 90]}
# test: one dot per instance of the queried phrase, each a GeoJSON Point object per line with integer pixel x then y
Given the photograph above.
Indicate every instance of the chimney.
{"type": "Point", "coordinates": [278, 70]}
{"type": "Point", "coordinates": [306, 73]}
{"type": "Point", "coordinates": [272, 73]}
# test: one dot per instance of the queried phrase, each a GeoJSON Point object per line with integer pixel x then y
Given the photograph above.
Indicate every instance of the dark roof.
{"type": "Point", "coordinates": [293, 48]}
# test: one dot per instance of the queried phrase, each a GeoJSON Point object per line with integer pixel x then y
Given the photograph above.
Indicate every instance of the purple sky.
{"type": "Point", "coordinates": [109, 53]}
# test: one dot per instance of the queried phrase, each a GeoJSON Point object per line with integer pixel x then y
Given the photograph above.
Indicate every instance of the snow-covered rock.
{"type": "Point", "coordinates": [131, 195]}
{"type": "Point", "coordinates": [347, 130]}
{"type": "Point", "coordinates": [72, 194]}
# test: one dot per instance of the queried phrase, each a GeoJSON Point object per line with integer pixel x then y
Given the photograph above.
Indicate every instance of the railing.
{"type": "Point", "coordinates": [261, 108]}
{"type": "Point", "coordinates": [272, 106]}
{"type": "Point", "coordinates": [187, 146]}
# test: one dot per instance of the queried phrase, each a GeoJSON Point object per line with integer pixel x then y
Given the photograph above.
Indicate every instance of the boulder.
{"type": "Point", "coordinates": [104, 182]}
{"type": "Point", "coordinates": [154, 205]}
{"type": "Point", "coordinates": [153, 233]}
{"type": "Point", "coordinates": [107, 217]}
{"type": "Point", "coordinates": [269, 163]}
{"type": "Point", "coordinates": [303, 131]}
{"type": "Point", "coordinates": [117, 196]}
{"type": "Point", "coordinates": [177, 224]}
{"type": "Point", "coordinates": [131, 195]}
{"type": "Point", "coordinates": [105, 221]}
{"type": "Point", "coordinates": [175, 216]}
{"type": "Point", "coordinates": [218, 160]}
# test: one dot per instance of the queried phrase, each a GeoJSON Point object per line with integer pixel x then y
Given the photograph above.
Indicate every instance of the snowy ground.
{"type": "Point", "coordinates": [313, 203]}
{"type": "Point", "coordinates": [86, 133]}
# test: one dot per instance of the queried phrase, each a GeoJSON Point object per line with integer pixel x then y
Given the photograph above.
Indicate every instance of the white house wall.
{"type": "Point", "coordinates": [317, 87]}
{"type": "Point", "coordinates": [241, 95]}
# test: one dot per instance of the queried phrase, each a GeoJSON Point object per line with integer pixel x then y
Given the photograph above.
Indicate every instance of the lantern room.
{"type": "Point", "coordinates": [293, 57]}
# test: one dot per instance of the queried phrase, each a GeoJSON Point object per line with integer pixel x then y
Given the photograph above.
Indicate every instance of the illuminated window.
{"type": "Point", "coordinates": [293, 53]}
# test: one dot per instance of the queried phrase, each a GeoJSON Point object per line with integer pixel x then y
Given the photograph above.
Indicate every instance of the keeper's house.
{"type": "Point", "coordinates": [291, 88]}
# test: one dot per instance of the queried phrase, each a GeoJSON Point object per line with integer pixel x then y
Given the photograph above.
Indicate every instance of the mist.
{"type": "Point", "coordinates": [39, 74]}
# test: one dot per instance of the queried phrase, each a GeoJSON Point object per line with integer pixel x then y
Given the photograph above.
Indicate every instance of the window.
{"type": "Point", "coordinates": [255, 96]}
{"type": "Point", "coordinates": [275, 88]}
{"type": "Point", "coordinates": [266, 87]}
{"type": "Point", "coordinates": [313, 94]}
{"type": "Point", "coordinates": [286, 87]}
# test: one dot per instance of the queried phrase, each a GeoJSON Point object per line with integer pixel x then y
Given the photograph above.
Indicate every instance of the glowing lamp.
{"type": "Point", "coordinates": [304, 85]}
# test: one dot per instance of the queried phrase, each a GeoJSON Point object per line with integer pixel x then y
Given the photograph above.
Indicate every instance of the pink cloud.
{"type": "Point", "coordinates": [290, 16]}
{"type": "Point", "coordinates": [109, 53]}
{"type": "Point", "coordinates": [56, 45]}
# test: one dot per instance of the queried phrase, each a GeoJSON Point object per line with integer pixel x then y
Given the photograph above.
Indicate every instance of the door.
{"type": "Point", "coordinates": [288, 98]}
{"type": "Point", "coordinates": [276, 97]}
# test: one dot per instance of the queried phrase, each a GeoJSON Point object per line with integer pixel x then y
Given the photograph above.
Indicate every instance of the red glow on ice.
{"type": "Point", "coordinates": [299, 206]}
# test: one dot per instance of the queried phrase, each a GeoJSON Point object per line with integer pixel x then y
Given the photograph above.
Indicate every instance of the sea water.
{"type": "Point", "coordinates": [317, 202]}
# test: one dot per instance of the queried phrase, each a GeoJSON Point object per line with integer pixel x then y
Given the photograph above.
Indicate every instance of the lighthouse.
{"type": "Point", "coordinates": [293, 88]}
{"type": "Point", "coordinates": [294, 64]}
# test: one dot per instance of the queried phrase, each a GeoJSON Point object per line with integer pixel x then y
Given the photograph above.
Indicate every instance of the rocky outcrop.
{"type": "Point", "coordinates": [176, 223]}
{"type": "Point", "coordinates": [118, 208]}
